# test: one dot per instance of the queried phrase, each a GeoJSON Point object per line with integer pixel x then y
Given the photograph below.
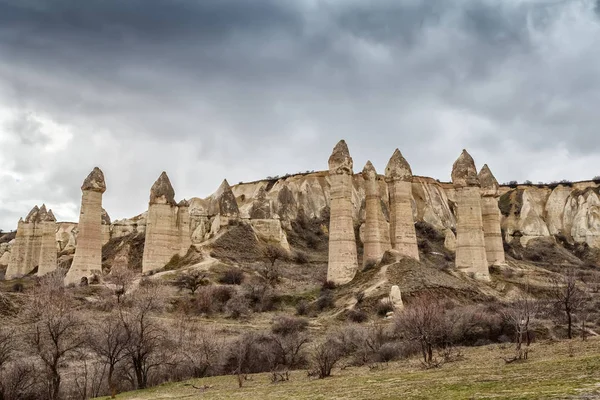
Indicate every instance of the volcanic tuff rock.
{"type": "Point", "coordinates": [402, 224]}
{"type": "Point", "coordinates": [88, 254]}
{"type": "Point", "coordinates": [470, 243]}
{"type": "Point", "coordinates": [162, 191]}
{"type": "Point", "coordinates": [376, 229]}
{"type": "Point", "coordinates": [491, 217]}
{"type": "Point", "coordinates": [343, 261]}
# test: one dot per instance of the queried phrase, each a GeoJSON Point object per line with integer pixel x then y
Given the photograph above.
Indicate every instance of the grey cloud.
{"type": "Point", "coordinates": [208, 89]}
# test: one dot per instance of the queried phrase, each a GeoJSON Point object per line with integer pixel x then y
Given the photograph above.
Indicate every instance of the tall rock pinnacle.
{"type": "Point", "coordinates": [88, 254]}
{"type": "Point", "coordinates": [398, 176]}
{"type": "Point", "coordinates": [343, 261]}
{"type": "Point", "coordinates": [376, 236]}
{"type": "Point", "coordinates": [471, 256]}
{"type": "Point", "coordinates": [491, 218]}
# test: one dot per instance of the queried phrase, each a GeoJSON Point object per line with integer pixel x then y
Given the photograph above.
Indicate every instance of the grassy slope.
{"type": "Point", "coordinates": [549, 373]}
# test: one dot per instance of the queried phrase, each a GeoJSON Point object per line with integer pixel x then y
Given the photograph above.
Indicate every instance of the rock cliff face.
{"type": "Point", "coordinates": [88, 254]}
{"type": "Point", "coordinates": [343, 261]}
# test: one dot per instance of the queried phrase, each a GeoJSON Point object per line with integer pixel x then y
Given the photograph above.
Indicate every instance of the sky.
{"type": "Point", "coordinates": [239, 89]}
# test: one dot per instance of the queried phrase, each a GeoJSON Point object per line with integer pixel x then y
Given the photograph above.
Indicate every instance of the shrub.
{"type": "Point", "coordinates": [357, 315]}
{"type": "Point", "coordinates": [18, 287]}
{"type": "Point", "coordinates": [424, 246]}
{"type": "Point", "coordinates": [302, 307]}
{"type": "Point", "coordinates": [328, 285]}
{"type": "Point", "coordinates": [300, 257]}
{"type": "Point", "coordinates": [260, 297]}
{"type": "Point", "coordinates": [370, 264]}
{"type": "Point", "coordinates": [325, 301]}
{"type": "Point", "coordinates": [325, 356]}
{"type": "Point", "coordinates": [389, 352]}
{"type": "Point", "coordinates": [285, 325]}
{"type": "Point", "coordinates": [428, 231]}
{"type": "Point", "coordinates": [384, 307]}
{"type": "Point", "coordinates": [237, 307]}
{"type": "Point", "coordinates": [211, 299]}
{"type": "Point", "coordinates": [233, 276]}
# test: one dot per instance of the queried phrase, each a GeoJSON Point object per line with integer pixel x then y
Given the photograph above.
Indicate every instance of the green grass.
{"type": "Point", "coordinates": [549, 373]}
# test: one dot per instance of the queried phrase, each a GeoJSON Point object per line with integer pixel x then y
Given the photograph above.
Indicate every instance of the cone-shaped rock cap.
{"type": "Point", "coordinates": [105, 217]}
{"type": "Point", "coordinates": [226, 201]}
{"type": "Point", "coordinates": [464, 172]}
{"type": "Point", "coordinates": [488, 182]}
{"type": "Point", "coordinates": [43, 213]}
{"type": "Point", "coordinates": [33, 214]}
{"type": "Point", "coordinates": [183, 203]}
{"type": "Point", "coordinates": [162, 191]}
{"type": "Point", "coordinates": [340, 161]}
{"type": "Point", "coordinates": [94, 181]}
{"type": "Point", "coordinates": [398, 168]}
{"type": "Point", "coordinates": [50, 216]}
{"type": "Point", "coordinates": [369, 173]}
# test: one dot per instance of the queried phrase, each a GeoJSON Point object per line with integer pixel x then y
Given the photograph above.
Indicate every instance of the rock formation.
{"type": "Point", "coordinates": [490, 213]}
{"type": "Point", "coordinates": [396, 298]}
{"type": "Point", "coordinates": [398, 175]}
{"type": "Point", "coordinates": [167, 226]}
{"type": "Point", "coordinates": [376, 242]}
{"type": "Point", "coordinates": [88, 254]}
{"type": "Point", "coordinates": [343, 262]}
{"type": "Point", "coordinates": [470, 243]}
{"type": "Point", "coordinates": [48, 251]}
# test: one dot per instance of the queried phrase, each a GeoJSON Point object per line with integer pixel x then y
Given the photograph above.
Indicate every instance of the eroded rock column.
{"type": "Point", "coordinates": [183, 226]}
{"type": "Point", "coordinates": [490, 213]}
{"type": "Point", "coordinates": [470, 243]}
{"type": "Point", "coordinates": [88, 254]}
{"type": "Point", "coordinates": [162, 234]}
{"type": "Point", "coordinates": [48, 250]}
{"type": "Point", "coordinates": [343, 262]}
{"type": "Point", "coordinates": [375, 243]}
{"type": "Point", "coordinates": [398, 175]}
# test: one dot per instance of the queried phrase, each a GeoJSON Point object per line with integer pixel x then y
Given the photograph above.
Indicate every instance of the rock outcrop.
{"type": "Point", "coordinates": [48, 250]}
{"type": "Point", "coordinates": [470, 242]}
{"type": "Point", "coordinates": [88, 254]}
{"type": "Point", "coordinates": [398, 175]}
{"type": "Point", "coordinates": [491, 217]}
{"type": "Point", "coordinates": [376, 231]}
{"type": "Point", "coordinates": [167, 226]}
{"type": "Point", "coordinates": [343, 261]}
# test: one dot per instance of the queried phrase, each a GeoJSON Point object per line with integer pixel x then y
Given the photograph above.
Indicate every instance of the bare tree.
{"type": "Point", "coordinates": [242, 351]}
{"type": "Point", "coordinates": [122, 277]}
{"type": "Point", "coordinates": [568, 297]}
{"type": "Point", "coordinates": [144, 333]}
{"type": "Point", "coordinates": [520, 314]}
{"type": "Point", "coordinates": [191, 281]}
{"type": "Point", "coordinates": [288, 339]}
{"type": "Point", "coordinates": [108, 339]}
{"type": "Point", "coordinates": [424, 322]}
{"type": "Point", "coordinates": [325, 356]}
{"type": "Point", "coordinates": [272, 253]}
{"type": "Point", "coordinates": [52, 328]}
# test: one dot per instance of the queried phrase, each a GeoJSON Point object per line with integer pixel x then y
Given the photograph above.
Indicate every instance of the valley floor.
{"type": "Point", "coordinates": [555, 370]}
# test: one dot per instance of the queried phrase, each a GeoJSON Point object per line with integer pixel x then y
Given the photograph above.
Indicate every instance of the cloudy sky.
{"type": "Point", "coordinates": [243, 89]}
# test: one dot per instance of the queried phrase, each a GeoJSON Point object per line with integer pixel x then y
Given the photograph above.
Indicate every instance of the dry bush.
{"type": "Point", "coordinates": [520, 314]}
{"type": "Point", "coordinates": [238, 307]}
{"type": "Point", "coordinates": [325, 356]}
{"type": "Point", "coordinates": [198, 350]}
{"type": "Point", "coordinates": [300, 257]}
{"type": "Point", "coordinates": [261, 297]}
{"type": "Point", "coordinates": [302, 308]}
{"type": "Point", "coordinates": [19, 381]}
{"type": "Point", "coordinates": [191, 281]}
{"type": "Point", "coordinates": [122, 277]}
{"type": "Point", "coordinates": [233, 276]}
{"type": "Point", "coordinates": [357, 315]}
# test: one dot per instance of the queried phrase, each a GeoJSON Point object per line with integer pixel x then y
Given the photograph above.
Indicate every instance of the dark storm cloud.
{"type": "Point", "coordinates": [208, 89]}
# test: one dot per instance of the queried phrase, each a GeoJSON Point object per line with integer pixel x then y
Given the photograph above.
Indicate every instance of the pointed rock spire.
{"type": "Point", "coordinates": [226, 199]}
{"type": "Point", "coordinates": [398, 168]}
{"type": "Point", "coordinates": [105, 217]}
{"type": "Point", "coordinates": [488, 182]}
{"type": "Point", "coordinates": [50, 216]}
{"type": "Point", "coordinates": [162, 191]}
{"type": "Point", "coordinates": [340, 161]}
{"type": "Point", "coordinates": [33, 214]}
{"type": "Point", "coordinates": [464, 172]}
{"type": "Point", "coordinates": [261, 207]}
{"type": "Point", "coordinates": [369, 173]}
{"type": "Point", "coordinates": [42, 214]}
{"type": "Point", "coordinates": [94, 181]}
{"type": "Point", "coordinates": [183, 203]}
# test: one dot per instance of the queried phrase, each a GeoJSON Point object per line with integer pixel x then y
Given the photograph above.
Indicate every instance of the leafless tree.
{"type": "Point", "coordinates": [270, 272]}
{"type": "Point", "coordinates": [123, 278]}
{"type": "Point", "coordinates": [519, 314]}
{"type": "Point", "coordinates": [568, 297]}
{"type": "Point", "coordinates": [191, 281]}
{"type": "Point", "coordinates": [242, 351]}
{"type": "Point", "coordinates": [288, 339]}
{"type": "Point", "coordinates": [52, 328]}
{"type": "Point", "coordinates": [144, 332]}
{"type": "Point", "coordinates": [424, 321]}
{"type": "Point", "coordinates": [108, 339]}
{"type": "Point", "coordinates": [325, 356]}
{"type": "Point", "coordinates": [198, 348]}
